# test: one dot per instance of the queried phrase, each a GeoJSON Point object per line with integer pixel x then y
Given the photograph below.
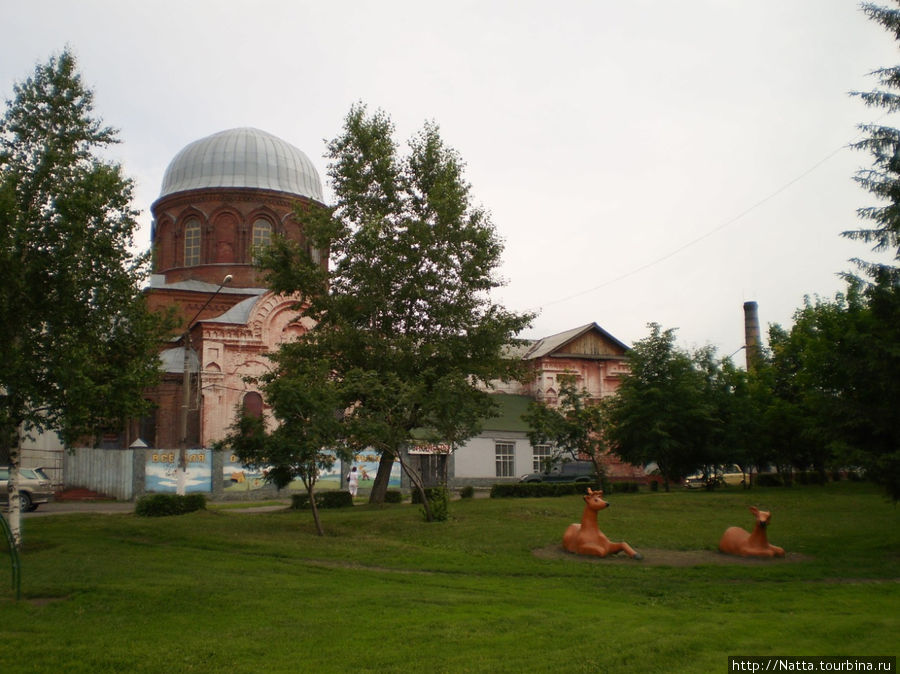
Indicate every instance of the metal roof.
{"type": "Point", "coordinates": [547, 345]}
{"type": "Point", "coordinates": [243, 157]}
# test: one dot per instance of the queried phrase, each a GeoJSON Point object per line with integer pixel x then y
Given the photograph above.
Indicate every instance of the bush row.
{"type": "Point", "coordinates": [324, 499]}
{"type": "Point", "coordinates": [164, 505]}
{"type": "Point", "coordinates": [537, 489]}
{"type": "Point", "coordinates": [393, 496]}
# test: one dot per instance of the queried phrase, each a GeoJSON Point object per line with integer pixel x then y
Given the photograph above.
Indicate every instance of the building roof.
{"type": "Point", "coordinates": [243, 157]}
{"type": "Point", "coordinates": [239, 314]}
{"type": "Point", "coordinates": [548, 345]}
{"type": "Point", "coordinates": [172, 360]}
{"type": "Point", "coordinates": [158, 282]}
{"type": "Point", "coordinates": [512, 407]}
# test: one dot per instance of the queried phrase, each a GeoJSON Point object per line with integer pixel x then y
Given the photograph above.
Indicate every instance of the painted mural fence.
{"type": "Point", "coordinates": [128, 474]}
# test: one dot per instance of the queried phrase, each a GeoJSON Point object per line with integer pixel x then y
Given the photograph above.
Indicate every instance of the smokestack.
{"type": "Point", "coordinates": [751, 334]}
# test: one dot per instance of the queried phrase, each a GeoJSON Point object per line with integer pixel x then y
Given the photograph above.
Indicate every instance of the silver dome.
{"type": "Point", "coordinates": [244, 157]}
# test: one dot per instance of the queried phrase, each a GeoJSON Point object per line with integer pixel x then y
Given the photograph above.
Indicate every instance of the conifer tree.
{"type": "Point", "coordinates": [883, 143]}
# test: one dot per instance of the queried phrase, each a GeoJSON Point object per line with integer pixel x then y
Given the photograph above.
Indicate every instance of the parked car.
{"type": "Point", "coordinates": [34, 487]}
{"type": "Point", "coordinates": [574, 471]}
{"type": "Point", "coordinates": [722, 475]}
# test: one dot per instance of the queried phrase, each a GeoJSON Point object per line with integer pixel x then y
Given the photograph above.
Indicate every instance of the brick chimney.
{"type": "Point", "coordinates": [751, 334]}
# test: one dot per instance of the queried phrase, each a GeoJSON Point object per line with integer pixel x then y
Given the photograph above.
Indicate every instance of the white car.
{"type": "Point", "coordinates": [34, 487]}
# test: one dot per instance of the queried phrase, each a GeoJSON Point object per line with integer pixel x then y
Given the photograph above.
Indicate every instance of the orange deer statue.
{"type": "Point", "coordinates": [587, 539]}
{"type": "Point", "coordinates": [737, 541]}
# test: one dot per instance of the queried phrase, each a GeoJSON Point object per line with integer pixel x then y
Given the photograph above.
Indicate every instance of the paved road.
{"type": "Point", "coordinates": [64, 507]}
{"type": "Point", "coordinates": [111, 507]}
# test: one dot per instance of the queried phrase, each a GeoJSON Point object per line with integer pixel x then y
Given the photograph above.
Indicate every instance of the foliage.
{"type": "Point", "coordinates": [838, 379]}
{"type": "Point", "coordinates": [306, 406]}
{"type": "Point", "coordinates": [882, 180]}
{"type": "Point", "coordinates": [577, 426]}
{"type": "Point", "coordinates": [404, 322]}
{"type": "Point", "coordinates": [540, 489]}
{"type": "Point", "coordinates": [324, 499]}
{"type": "Point", "coordinates": [467, 492]}
{"type": "Point", "coordinates": [439, 499]}
{"type": "Point", "coordinates": [77, 342]}
{"type": "Point", "coordinates": [165, 505]}
{"type": "Point", "coordinates": [624, 487]}
{"type": "Point", "coordinates": [393, 496]}
{"type": "Point", "coordinates": [662, 412]}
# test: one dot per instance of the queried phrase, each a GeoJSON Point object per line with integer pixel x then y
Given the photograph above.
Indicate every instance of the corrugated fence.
{"type": "Point", "coordinates": [106, 471]}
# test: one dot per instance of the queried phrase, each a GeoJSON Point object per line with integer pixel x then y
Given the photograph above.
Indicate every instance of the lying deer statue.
{"type": "Point", "coordinates": [587, 539]}
{"type": "Point", "coordinates": [736, 541]}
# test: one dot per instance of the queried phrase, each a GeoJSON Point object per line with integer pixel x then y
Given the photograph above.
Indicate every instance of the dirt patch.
{"type": "Point", "coordinates": [657, 557]}
{"type": "Point", "coordinates": [43, 601]}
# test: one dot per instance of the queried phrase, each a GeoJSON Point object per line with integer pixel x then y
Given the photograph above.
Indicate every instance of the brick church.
{"type": "Point", "coordinates": [222, 197]}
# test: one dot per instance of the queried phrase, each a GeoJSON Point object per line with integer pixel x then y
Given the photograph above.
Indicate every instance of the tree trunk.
{"type": "Point", "coordinates": [311, 491]}
{"type": "Point", "coordinates": [15, 506]}
{"type": "Point", "coordinates": [416, 480]}
{"type": "Point", "coordinates": [382, 478]}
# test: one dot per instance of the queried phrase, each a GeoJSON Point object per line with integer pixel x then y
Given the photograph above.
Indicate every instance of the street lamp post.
{"type": "Point", "coordinates": [181, 477]}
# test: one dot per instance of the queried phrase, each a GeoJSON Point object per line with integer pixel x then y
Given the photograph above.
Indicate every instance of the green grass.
{"type": "Point", "coordinates": [384, 591]}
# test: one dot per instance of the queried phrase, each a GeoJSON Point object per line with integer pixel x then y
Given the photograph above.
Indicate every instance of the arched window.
{"type": "Point", "coordinates": [262, 236]}
{"type": "Point", "coordinates": [253, 405]}
{"type": "Point", "coordinates": [191, 243]}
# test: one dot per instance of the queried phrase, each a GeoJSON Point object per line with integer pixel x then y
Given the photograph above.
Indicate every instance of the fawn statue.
{"type": "Point", "coordinates": [737, 541]}
{"type": "Point", "coordinates": [587, 539]}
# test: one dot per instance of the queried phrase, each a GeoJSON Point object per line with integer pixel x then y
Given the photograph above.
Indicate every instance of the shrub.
{"type": "Point", "coordinates": [324, 499]}
{"type": "Point", "coordinates": [538, 489]}
{"type": "Point", "coordinates": [467, 492]}
{"type": "Point", "coordinates": [809, 477]}
{"type": "Point", "coordinates": [192, 502]}
{"type": "Point", "coordinates": [625, 487]}
{"type": "Point", "coordinates": [439, 500]}
{"type": "Point", "coordinates": [393, 496]}
{"type": "Point", "coordinates": [165, 505]}
{"type": "Point", "coordinates": [769, 480]}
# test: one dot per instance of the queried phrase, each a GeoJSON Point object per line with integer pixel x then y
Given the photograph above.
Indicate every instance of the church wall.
{"type": "Point", "coordinates": [226, 218]}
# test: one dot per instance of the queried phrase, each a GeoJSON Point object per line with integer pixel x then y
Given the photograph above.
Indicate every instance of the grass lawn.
{"type": "Point", "coordinates": [487, 591]}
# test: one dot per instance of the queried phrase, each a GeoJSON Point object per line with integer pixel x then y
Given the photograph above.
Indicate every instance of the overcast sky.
{"type": "Point", "coordinates": [643, 160]}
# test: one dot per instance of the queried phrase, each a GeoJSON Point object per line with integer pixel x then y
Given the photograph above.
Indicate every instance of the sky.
{"type": "Point", "coordinates": [642, 160]}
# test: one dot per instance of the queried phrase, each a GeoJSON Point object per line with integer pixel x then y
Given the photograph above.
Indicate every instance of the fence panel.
{"type": "Point", "coordinates": [105, 471]}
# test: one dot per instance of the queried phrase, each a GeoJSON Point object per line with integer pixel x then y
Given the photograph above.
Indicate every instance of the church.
{"type": "Point", "coordinates": [222, 198]}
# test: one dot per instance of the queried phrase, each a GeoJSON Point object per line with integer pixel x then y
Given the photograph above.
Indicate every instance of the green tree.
{"type": "Point", "coordinates": [306, 407]}
{"type": "Point", "coordinates": [661, 412]}
{"type": "Point", "coordinates": [883, 143]}
{"type": "Point", "coordinates": [76, 340]}
{"type": "Point", "coordinates": [403, 316]}
{"type": "Point", "coordinates": [576, 427]}
{"type": "Point", "coordinates": [838, 382]}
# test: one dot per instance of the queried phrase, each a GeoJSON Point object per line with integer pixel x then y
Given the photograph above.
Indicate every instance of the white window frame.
{"type": "Point", "coordinates": [539, 454]}
{"type": "Point", "coordinates": [505, 458]}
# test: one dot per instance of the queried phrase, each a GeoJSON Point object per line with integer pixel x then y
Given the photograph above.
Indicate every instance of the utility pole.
{"type": "Point", "coordinates": [181, 473]}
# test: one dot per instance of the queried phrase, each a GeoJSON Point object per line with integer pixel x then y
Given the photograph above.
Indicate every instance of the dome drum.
{"type": "Point", "coordinates": [224, 196]}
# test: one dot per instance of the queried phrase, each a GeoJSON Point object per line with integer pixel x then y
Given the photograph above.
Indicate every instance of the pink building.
{"type": "Point", "coordinates": [502, 451]}
{"type": "Point", "coordinates": [221, 198]}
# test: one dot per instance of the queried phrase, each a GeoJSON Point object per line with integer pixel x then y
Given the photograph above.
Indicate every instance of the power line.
{"type": "Point", "coordinates": [715, 230]}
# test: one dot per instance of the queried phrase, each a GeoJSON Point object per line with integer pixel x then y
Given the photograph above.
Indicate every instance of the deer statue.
{"type": "Point", "coordinates": [587, 539]}
{"type": "Point", "coordinates": [736, 541]}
